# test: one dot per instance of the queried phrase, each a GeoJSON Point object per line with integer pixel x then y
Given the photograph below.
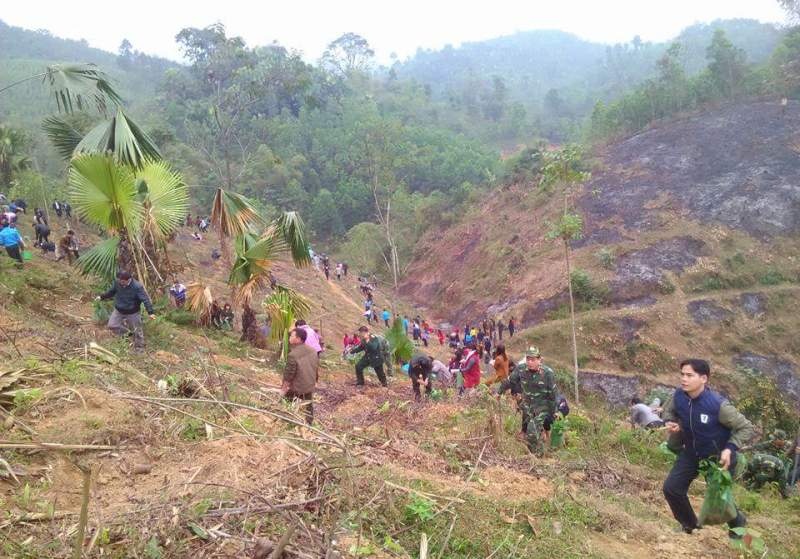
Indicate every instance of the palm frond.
{"type": "Point", "coordinates": [100, 260]}
{"type": "Point", "coordinates": [293, 231]}
{"type": "Point", "coordinates": [77, 86]}
{"type": "Point", "coordinates": [284, 306]}
{"type": "Point", "coordinates": [62, 135]}
{"type": "Point", "coordinates": [199, 301]}
{"type": "Point", "coordinates": [122, 137]}
{"type": "Point", "coordinates": [104, 193]}
{"type": "Point", "coordinates": [232, 214]}
{"type": "Point", "coordinates": [253, 262]}
{"type": "Point", "coordinates": [165, 197]}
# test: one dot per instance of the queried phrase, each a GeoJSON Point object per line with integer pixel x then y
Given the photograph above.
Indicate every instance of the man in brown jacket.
{"type": "Point", "coordinates": [300, 375]}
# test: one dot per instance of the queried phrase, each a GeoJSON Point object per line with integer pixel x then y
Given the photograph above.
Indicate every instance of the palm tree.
{"type": "Point", "coordinates": [284, 238]}
{"type": "Point", "coordinates": [232, 215]}
{"type": "Point", "coordinates": [137, 208]}
{"type": "Point", "coordinates": [12, 143]}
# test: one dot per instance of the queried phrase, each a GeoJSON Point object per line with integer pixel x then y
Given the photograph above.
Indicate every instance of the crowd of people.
{"type": "Point", "coordinates": [14, 242]}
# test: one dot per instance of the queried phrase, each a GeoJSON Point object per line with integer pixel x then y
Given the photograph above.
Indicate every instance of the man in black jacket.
{"type": "Point", "coordinates": [129, 295]}
{"type": "Point", "coordinates": [419, 369]}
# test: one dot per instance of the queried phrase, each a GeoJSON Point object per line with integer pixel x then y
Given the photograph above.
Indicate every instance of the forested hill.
{"type": "Point", "coordinates": [557, 75]}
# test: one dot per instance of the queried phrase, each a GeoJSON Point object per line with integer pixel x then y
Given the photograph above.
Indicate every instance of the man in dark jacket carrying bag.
{"type": "Point", "coordinates": [129, 295]}
{"type": "Point", "coordinates": [702, 425]}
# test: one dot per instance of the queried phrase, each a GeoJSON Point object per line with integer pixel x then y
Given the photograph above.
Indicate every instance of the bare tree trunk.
{"type": "Point", "coordinates": [249, 324]}
{"type": "Point", "coordinates": [572, 318]}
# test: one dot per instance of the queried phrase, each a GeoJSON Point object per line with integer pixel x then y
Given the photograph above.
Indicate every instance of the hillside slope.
{"type": "Point", "coordinates": [690, 247]}
{"type": "Point", "coordinates": [218, 467]}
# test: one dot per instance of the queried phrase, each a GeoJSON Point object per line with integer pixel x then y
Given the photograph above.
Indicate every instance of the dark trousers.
{"type": "Point", "coordinates": [676, 488]}
{"type": "Point", "coordinates": [307, 402]}
{"type": "Point", "coordinates": [14, 253]}
{"type": "Point", "coordinates": [415, 384]}
{"type": "Point", "coordinates": [362, 364]}
{"type": "Point", "coordinates": [386, 321]}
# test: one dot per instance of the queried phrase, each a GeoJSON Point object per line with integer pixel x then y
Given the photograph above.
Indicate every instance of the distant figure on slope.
{"type": "Point", "coordinates": [178, 293]}
{"type": "Point", "coordinates": [512, 326]}
{"type": "Point", "coordinates": [386, 315]}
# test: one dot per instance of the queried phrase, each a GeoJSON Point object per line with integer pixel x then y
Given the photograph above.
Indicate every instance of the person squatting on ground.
{"type": "Point", "coordinates": [772, 464]}
{"type": "Point", "coordinates": [301, 373]}
{"type": "Point", "coordinates": [702, 425]}
{"type": "Point", "coordinates": [537, 392]}
{"type": "Point", "coordinates": [471, 367]}
{"type": "Point", "coordinates": [67, 247]}
{"type": "Point", "coordinates": [373, 356]}
{"type": "Point", "coordinates": [129, 295]}
{"type": "Point", "coordinates": [500, 365]}
{"type": "Point", "coordinates": [178, 293]}
{"type": "Point", "coordinates": [419, 369]}
{"type": "Point", "coordinates": [643, 415]}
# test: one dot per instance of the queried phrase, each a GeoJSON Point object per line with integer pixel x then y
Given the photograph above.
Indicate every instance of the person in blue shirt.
{"type": "Point", "coordinates": [386, 315]}
{"type": "Point", "coordinates": [703, 426]}
{"type": "Point", "coordinates": [11, 240]}
{"type": "Point", "coordinates": [405, 325]}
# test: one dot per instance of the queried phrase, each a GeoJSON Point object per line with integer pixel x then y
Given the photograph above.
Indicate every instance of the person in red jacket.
{"type": "Point", "coordinates": [471, 367]}
{"type": "Point", "coordinates": [440, 335]}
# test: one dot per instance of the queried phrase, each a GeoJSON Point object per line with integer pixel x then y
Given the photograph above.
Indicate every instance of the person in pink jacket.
{"type": "Point", "coordinates": [312, 338]}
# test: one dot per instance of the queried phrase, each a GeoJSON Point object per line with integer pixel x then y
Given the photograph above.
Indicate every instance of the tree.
{"type": "Point", "coordinates": [138, 208]}
{"type": "Point", "coordinates": [726, 65]}
{"type": "Point", "coordinates": [284, 306]}
{"type": "Point", "coordinates": [125, 54]}
{"type": "Point", "coordinates": [13, 157]}
{"type": "Point", "coordinates": [232, 215]}
{"type": "Point", "coordinates": [347, 55]}
{"type": "Point", "coordinates": [792, 8]}
{"type": "Point", "coordinates": [564, 167]}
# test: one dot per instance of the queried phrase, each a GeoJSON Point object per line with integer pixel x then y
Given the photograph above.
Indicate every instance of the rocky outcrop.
{"type": "Point", "coordinates": [705, 311]}
{"type": "Point", "coordinates": [781, 371]}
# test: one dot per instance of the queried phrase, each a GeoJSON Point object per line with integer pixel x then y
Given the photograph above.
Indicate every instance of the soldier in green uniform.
{"type": "Point", "coordinates": [772, 464]}
{"type": "Point", "coordinates": [373, 356]}
{"type": "Point", "coordinates": [535, 387]}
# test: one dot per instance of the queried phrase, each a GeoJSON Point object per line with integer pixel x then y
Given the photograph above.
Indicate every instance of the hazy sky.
{"type": "Point", "coordinates": [399, 26]}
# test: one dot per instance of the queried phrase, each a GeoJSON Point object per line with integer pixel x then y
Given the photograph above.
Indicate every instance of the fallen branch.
{"type": "Point", "coordinates": [265, 508]}
{"type": "Point", "coordinates": [54, 446]}
{"type": "Point", "coordinates": [423, 494]}
{"type": "Point", "coordinates": [277, 553]}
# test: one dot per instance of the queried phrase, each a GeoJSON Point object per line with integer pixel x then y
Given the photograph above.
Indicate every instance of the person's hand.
{"type": "Point", "coordinates": [673, 427]}
{"type": "Point", "coordinates": [97, 298]}
{"type": "Point", "coordinates": [725, 459]}
{"type": "Point", "coordinates": [152, 317]}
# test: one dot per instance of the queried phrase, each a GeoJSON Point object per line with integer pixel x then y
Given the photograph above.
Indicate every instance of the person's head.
{"type": "Point", "coordinates": [299, 323]}
{"type": "Point", "coordinates": [500, 349]}
{"type": "Point", "coordinates": [694, 375]}
{"type": "Point", "coordinates": [363, 332]}
{"type": "Point", "coordinates": [123, 277]}
{"type": "Point", "coordinates": [533, 358]}
{"type": "Point", "coordinates": [459, 353]}
{"type": "Point", "coordinates": [227, 307]}
{"type": "Point", "coordinates": [175, 281]}
{"type": "Point", "coordinates": [635, 400]}
{"type": "Point", "coordinates": [297, 336]}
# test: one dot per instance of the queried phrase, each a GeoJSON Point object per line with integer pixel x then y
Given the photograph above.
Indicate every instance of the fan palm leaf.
{"type": "Point", "coordinates": [254, 260]}
{"type": "Point", "coordinates": [165, 198]}
{"type": "Point", "coordinates": [284, 306]}
{"type": "Point", "coordinates": [199, 300]}
{"type": "Point", "coordinates": [293, 231]}
{"type": "Point", "coordinates": [104, 193]}
{"type": "Point", "coordinates": [77, 86]}
{"type": "Point", "coordinates": [100, 260]}
{"type": "Point", "coordinates": [120, 136]}
{"type": "Point", "coordinates": [232, 214]}
{"type": "Point", "coordinates": [64, 137]}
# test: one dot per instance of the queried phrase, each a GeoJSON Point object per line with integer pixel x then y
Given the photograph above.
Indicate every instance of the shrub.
{"type": "Point", "coordinates": [772, 277]}
{"type": "Point", "coordinates": [586, 291]}
{"type": "Point", "coordinates": [606, 257]}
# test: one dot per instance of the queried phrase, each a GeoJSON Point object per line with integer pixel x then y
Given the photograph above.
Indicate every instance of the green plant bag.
{"type": "Point", "coordinates": [557, 431]}
{"type": "Point", "coordinates": [718, 505]}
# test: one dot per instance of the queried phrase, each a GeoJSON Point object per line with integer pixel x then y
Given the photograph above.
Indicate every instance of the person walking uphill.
{"type": "Point", "coordinates": [536, 386]}
{"type": "Point", "coordinates": [301, 372]}
{"type": "Point", "coordinates": [373, 356]}
{"type": "Point", "coordinates": [702, 425]}
{"type": "Point", "coordinates": [129, 295]}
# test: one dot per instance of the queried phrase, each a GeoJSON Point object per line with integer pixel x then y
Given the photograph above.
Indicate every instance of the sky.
{"type": "Point", "coordinates": [398, 27]}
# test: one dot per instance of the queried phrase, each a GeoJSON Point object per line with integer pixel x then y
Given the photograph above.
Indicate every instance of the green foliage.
{"type": "Point", "coordinates": [762, 402]}
{"type": "Point", "coordinates": [400, 346]}
{"type": "Point", "coordinates": [606, 257]}
{"type": "Point", "coordinates": [568, 228]}
{"type": "Point", "coordinates": [587, 292]}
{"type": "Point", "coordinates": [24, 398]}
{"type": "Point", "coordinates": [193, 430]}
{"type": "Point", "coordinates": [772, 277]}
{"type": "Point", "coordinates": [563, 166]}
{"type": "Point", "coordinates": [419, 509]}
